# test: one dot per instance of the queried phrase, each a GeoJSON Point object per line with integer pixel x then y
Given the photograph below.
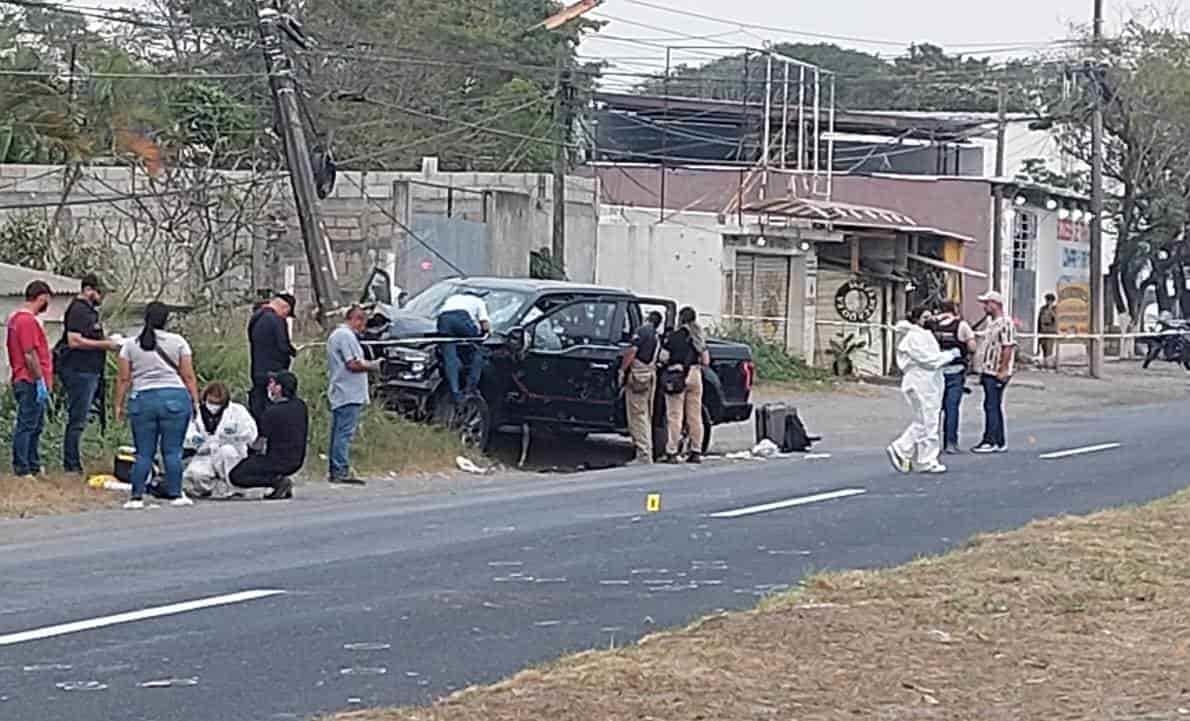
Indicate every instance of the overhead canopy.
{"type": "Point", "coordinates": [847, 216]}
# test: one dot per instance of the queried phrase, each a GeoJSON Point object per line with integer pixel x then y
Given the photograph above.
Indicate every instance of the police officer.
{"type": "Point", "coordinates": [953, 333]}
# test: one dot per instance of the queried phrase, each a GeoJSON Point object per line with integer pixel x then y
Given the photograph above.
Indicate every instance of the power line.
{"type": "Point", "coordinates": [121, 197]}
{"type": "Point", "coordinates": [131, 76]}
{"type": "Point", "coordinates": [819, 36]}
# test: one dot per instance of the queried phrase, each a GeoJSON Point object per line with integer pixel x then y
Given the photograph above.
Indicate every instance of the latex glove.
{"type": "Point", "coordinates": [43, 393]}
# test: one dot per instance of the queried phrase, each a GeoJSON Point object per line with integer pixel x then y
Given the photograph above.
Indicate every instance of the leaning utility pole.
{"type": "Point", "coordinates": [562, 122]}
{"type": "Point", "coordinates": [297, 158]}
{"type": "Point", "coordinates": [998, 192]}
{"type": "Point", "coordinates": [1095, 347]}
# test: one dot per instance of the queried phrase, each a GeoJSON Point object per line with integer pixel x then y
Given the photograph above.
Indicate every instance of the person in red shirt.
{"type": "Point", "coordinates": [32, 377]}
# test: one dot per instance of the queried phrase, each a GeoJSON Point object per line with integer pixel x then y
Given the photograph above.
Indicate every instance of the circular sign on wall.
{"type": "Point", "coordinates": [856, 301]}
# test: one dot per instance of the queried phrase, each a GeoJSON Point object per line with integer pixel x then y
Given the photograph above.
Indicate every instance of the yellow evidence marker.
{"type": "Point", "coordinates": [653, 502]}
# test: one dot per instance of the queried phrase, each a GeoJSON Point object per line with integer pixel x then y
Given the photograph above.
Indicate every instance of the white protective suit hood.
{"type": "Point", "coordinates": [236, 428]}
{"type": "Point", "coordinates": [921, 360]}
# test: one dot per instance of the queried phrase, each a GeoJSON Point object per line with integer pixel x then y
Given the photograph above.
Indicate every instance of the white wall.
{"type": "Point", "coordinates": [680, 259]}
{"type": "Point", "coordinates": [51, 320]}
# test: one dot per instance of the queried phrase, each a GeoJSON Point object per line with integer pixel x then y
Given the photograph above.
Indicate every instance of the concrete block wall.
{"type": "Point", "coordinates": [519, 209]}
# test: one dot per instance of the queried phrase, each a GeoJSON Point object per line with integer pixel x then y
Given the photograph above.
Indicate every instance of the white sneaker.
{"type": "Point", "coordinates": [181, 502]}
{"type": "Point", "coordinates": [134, 505]}
{"type": "Point", "coordinates": [933, 468]}
{"type": "Point", "coordinates": [899, 463]}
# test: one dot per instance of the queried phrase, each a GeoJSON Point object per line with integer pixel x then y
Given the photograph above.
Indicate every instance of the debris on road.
{"type": "Point", "coordinates": [468, 466]}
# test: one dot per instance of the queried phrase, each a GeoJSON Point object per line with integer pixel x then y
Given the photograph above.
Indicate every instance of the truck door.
{"type": "Point", "coordinates": [569, 371]}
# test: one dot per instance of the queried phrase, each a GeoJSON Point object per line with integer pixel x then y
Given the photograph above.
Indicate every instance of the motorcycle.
{"type": "Point", "coordinates": [1171, 343]}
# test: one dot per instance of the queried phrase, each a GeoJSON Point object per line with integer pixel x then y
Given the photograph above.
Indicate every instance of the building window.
{"type": "Point", "coordinates": [1024, 235]}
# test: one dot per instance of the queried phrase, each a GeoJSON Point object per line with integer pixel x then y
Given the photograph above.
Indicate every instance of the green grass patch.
{"type": "Point", "coordinates": [774, 364]}
{"type": "Point", "coordinates": [384, 443]}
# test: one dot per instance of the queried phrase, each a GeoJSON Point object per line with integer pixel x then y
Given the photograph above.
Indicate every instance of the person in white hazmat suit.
{"type": "Point", "coordinates": [219, 436]}
{"type": "Point", "coordinates": [921, 361]}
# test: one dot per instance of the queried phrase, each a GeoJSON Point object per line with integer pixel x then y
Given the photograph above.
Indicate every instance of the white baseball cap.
{"type": "Point", "coordinates": [992, 296]}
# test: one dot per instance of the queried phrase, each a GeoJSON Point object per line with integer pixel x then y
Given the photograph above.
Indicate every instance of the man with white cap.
{"type": "Point", "coordinates": [994, 357]}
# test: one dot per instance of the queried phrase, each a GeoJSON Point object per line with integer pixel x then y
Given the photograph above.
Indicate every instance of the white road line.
{"type": "Point", "coordinates": [778, 505]}
{"type": "Point", "coordinates": [155, 612]}
{"type": "Point", "coordinates": [1079, 451]}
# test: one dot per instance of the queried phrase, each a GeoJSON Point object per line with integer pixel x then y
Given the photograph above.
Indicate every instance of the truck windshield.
{"type": "Point", "coordinates": [503, 305]}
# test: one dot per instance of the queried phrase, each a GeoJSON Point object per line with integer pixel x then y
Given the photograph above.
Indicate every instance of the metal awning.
{"type": "Point", "coordinates": [847, 216]}
{"type": "Point", "coordinates": [926, 260]}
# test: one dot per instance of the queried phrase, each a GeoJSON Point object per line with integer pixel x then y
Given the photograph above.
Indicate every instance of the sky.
{"type": "Point", "coordinates": [881, 26]}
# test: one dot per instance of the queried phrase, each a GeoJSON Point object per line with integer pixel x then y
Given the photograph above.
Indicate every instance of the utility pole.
{"type": "Point", "coordinates": [562, 121]}
{"type": "Point", "coordinates": [297, 158]}
{"type": "Point", "coordinates": [998, 192]}
{"type": "Point", "coordinates": [1095, 347]}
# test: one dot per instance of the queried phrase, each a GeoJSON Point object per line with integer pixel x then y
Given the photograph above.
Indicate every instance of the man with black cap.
{"type": "Point", "coordinates": [272, 351]}
{"type": "Point", "coordinates": [284, 429]}
{"type": "Point", "coordinates": [80, 359]}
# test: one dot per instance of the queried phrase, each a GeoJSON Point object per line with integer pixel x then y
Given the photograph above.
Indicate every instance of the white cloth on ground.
{"type": "Point", "coordinates": [921, 362]}
{"type": "Point", "coordinates": [217, 453]}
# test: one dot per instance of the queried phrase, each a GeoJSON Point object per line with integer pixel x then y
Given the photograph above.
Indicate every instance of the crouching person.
{"type": "Point", "coordinates": [284, 431]}
{"type": "Point", "coordinates": [219, 438]}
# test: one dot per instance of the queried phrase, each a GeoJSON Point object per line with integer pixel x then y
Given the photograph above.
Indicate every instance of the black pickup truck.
{"type": "Point", "coordinates": [553, 359]}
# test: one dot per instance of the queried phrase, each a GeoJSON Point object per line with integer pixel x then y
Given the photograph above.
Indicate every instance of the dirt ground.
{"type": "Point", "coordinates": [51, 495]}
{"type": "Point", "coordinates": [1069, 618]}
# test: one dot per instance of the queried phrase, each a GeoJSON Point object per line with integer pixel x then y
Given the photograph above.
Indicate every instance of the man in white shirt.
{"type": "Point", "coordinates": [463, 315]}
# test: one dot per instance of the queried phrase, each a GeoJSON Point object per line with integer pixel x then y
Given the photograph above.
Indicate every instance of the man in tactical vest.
{"type": "Point", "coordinates": [953, 333]}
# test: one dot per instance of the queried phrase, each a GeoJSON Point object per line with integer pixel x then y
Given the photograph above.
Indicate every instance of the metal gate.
{"type": "Point", "coordinates": [757, 294]}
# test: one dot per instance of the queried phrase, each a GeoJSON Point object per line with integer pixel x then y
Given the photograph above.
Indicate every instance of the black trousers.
{"type": "Point", "coordinates": [259, 472]}
{"type": "Point", "coordinates": [258, 398]}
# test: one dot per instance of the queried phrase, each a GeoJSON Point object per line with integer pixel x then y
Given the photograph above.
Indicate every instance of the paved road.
{"type": "Point", "coordinates": [443, 592]}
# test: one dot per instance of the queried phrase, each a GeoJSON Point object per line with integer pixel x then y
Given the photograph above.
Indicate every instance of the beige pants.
{"type": "Point", "coordinates": [640, 418]}
{"type": "Point", "coordinates": [685, 409]}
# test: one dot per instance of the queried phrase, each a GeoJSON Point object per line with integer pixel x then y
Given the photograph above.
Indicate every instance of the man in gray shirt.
{"type": "Point", "coordinates": [347, 371]}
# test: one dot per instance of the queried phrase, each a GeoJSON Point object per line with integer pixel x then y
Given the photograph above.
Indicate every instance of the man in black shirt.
{"type": "Point", "coordinates": [268, 336]}
{"type": "Point", "coordinates": [80, 362]}
{"type": "Point", "coordinates": [284, 426]}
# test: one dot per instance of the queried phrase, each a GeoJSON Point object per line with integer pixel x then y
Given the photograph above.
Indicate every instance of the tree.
{"type": "Point", "coordinates": [1144, 83]}
{"type": "Point", "coordinates": [924, 79]}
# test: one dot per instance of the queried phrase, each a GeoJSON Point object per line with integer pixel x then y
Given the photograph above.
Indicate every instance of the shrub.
{"type": "Point", "coordinates": [773, 362]}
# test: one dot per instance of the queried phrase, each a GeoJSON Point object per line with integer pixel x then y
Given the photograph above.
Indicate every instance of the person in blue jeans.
{"type": "Point", "coordinates": [463, 315]}
{"type": "Point", "coordinates": [82, 353]}
{"type": "Point", "coordinates": [32, 368]}
{"type": "Point", "coordinates": [347, 375]}
{"type": "Point", "coordinates": [158, 368]}
{"type": "Point", "coordinates": [953, 333]}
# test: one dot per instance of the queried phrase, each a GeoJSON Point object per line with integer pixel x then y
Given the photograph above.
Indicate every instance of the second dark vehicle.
{"type": "Point", "coordinates": [553, 359]}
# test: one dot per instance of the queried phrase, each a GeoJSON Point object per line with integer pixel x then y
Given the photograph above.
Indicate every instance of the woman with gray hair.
{"type": "Point", "coordinates": [682, 382]}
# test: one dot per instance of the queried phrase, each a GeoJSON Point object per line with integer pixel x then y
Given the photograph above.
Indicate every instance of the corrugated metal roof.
{"type": "Point", "coordinates": [847, 215]}
{"type": "Point", "coordinates": [14, 278]}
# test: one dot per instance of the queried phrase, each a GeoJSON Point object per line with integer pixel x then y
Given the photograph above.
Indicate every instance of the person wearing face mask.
{"type": "Point", "coordinates": [79, 359]}
{"type": "Point", "coordinates": [32, 377]}
{"type": "Point", "coordinates": [284, 430]}
{"type": "Point", "coordinates": [219, 437]}
{"type": "Point", "coordinates": [921, 361]}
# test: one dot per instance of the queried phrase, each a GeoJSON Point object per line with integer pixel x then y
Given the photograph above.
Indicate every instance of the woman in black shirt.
{"type": "Point", "coordinates": [687, 349]}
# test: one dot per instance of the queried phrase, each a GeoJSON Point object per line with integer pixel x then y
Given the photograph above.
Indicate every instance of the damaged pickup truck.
{"type": "Point", "coordinates": [554, 355]}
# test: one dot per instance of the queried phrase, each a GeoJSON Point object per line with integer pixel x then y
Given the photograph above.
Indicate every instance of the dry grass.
{"type": "Point", "coordinates": [51, 495]}
{"type": "Point", "coordinates": [1070, 618]}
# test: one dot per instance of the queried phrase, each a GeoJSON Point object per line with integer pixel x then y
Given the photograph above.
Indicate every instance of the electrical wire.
{"type": "Point", "coordinates": [818, 36]}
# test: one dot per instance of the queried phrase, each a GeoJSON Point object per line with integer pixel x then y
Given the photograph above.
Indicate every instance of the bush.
{"type": "Point", "coordinates": [773, 362]}
{"type": "Point", "coordinates": [384, 442]}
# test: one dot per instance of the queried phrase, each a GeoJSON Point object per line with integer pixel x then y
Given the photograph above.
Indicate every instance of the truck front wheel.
{"type": "Point", "coordinates": [471, 420]}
